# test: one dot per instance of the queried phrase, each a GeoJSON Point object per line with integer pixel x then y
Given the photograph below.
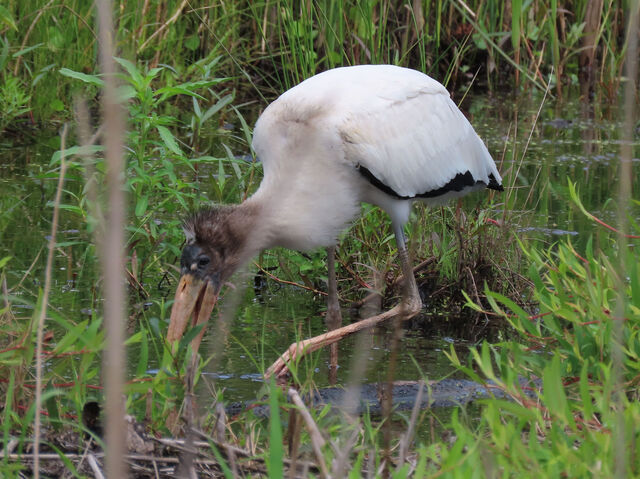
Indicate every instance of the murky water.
{"type": "Point", "coordinates": [571, 141]}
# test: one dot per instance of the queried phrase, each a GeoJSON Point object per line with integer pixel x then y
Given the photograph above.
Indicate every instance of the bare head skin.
{"type": "Point", "coordinates": [218, 242]}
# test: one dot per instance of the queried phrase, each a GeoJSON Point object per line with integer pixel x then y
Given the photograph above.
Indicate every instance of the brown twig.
{"type": "Point", "coordinates": [173, 18]}
{"type": "Point", "coordinates": [291, 283]}
{"type": "Point", "coordinates": [408, 436]}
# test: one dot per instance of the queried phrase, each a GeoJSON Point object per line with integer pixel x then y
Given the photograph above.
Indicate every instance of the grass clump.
{"type": "Point", "coordinates": [581, 421]}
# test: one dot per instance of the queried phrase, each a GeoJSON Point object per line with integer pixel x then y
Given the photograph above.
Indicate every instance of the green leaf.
{"type": "Point", "coordinates": [57, 105]}
{"type": "Point", "coordinates": [190, 335]}
{"type": "Point", "coordinates": [141, 205]}
{"type": "Point", "coordinates": [516, 19]}
{"type": "Point", "coordinates": [276, 453]}
{"type": "Point", "coordinates": [134, 74]}
{"type": "Point", "coordinates": [26, 50]}
{"type": "Point", "coordinates": [634, 276]}
{"type": "Point", "coordinates": [196, 109]}
{"type": "Point", "coordinates": [125, 92]}
{"type": "Point", "coordinates": [169, 140]}
{"type": "Point", "coordinates": [68, 341]}
{"type": "Point", "coordinates": [7, 19]}
{"type": "Point", "coordinates": [4, 54]}
{"type": "Point", "coordinates": [553, 389]}
{"type": "Point", "coordinates": [4, 261]}
{"type": "Point", "coordinates": [93, 79]}
{"type": "Point", "coordinates": [220, 104]}
{"type": "Point", "coordinates": [169, 91]}
{"type": "Point", "coordinates": [143, 357]}
{"type": "Point", "coordinates": [134, 339]}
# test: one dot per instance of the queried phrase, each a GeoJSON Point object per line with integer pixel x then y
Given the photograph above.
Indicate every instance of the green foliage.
{"type": "Point", "coordinates": [582, 346]}
{"type": "Point", "coordinates": [158, 164]}
{"type": "Point", "coordinates": [279, 43]}
{"type": "Point", "coordinates": [14, 99]}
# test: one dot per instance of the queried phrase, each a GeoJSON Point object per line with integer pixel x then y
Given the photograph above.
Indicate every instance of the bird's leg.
{"type": "Point", "coordinates": [334, 317]}
{"type": "Point", "coordinates": [410, 305]}
{"type": "Point", "coordinates": [411, 302]}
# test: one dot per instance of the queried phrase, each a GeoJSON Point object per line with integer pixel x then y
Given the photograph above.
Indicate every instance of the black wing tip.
{"type": "Point", "coordinates": [493, 184]}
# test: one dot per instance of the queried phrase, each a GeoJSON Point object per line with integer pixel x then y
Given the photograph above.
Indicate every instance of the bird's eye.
{"type": "Point", "coordinates": [203, 261]}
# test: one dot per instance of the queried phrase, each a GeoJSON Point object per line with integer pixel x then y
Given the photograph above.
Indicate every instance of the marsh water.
{"type": "Point", "coordinates": [571, 140]}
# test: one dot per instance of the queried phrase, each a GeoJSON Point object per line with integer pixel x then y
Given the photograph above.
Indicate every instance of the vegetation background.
{"type": "Point", "coordinates": [192, 76]}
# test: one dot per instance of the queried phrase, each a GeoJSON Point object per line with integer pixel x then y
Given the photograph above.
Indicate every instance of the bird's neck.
{"type": "Point", "coordinates": [251, 222]}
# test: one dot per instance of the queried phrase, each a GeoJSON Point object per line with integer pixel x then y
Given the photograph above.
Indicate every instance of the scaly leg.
{"type": "Point", "coordinates": [411, 301]}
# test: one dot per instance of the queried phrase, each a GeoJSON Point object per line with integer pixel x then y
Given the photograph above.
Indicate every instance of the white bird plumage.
{"type": "Point", "coordinates": [398, 124]}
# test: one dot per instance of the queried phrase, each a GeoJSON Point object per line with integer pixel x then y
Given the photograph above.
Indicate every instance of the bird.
{"type": "Point", "coordinates": [379, 134]}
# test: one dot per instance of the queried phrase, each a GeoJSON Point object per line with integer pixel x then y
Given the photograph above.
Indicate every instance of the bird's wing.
{"type": "Point", "coordinates": [414, 141]}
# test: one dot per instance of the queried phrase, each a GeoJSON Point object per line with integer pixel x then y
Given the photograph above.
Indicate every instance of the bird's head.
{"type": "Point", "coordinates": [215, 240]}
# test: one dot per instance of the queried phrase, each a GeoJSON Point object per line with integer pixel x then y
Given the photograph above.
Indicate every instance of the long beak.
{"type": "Point", "coordinates": [193, 297]}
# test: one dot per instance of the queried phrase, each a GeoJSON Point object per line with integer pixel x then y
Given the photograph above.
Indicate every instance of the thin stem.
{"type": "Point", "coordinates": [43, 307]}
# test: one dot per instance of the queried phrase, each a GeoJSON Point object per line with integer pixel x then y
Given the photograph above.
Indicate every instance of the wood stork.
{"type": "Point", "coordinates": [379, 134]}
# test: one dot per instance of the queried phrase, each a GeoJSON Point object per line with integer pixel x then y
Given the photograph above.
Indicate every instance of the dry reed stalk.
{"type": "Point", "coordinates": [408, 436]}
{"type": "Point", "coordinates": [333, 318]}
{"type": "Point", "coordinates": [526, 146]}
{"type": "Point", "coordinates": [83, 128]}
{"type": "Point", "coordinates": [43, 307]}
{"type": "Point", "coordinates": [317, 441]}
{"type": "Point", "coordinates": [589, 42]}
{"type": "Point", "coordinates": [293, 439]}
{"type": "Point", "coordinates": [112, 252]}
{"type": "Point", "coordinates": [341, 462]}
{"type": "Point", "coordinates": [171, 20]}
{"type": "Point", "coordinates": [386, 401]}
{"type": "Point", "coordinates": [95, 467]}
